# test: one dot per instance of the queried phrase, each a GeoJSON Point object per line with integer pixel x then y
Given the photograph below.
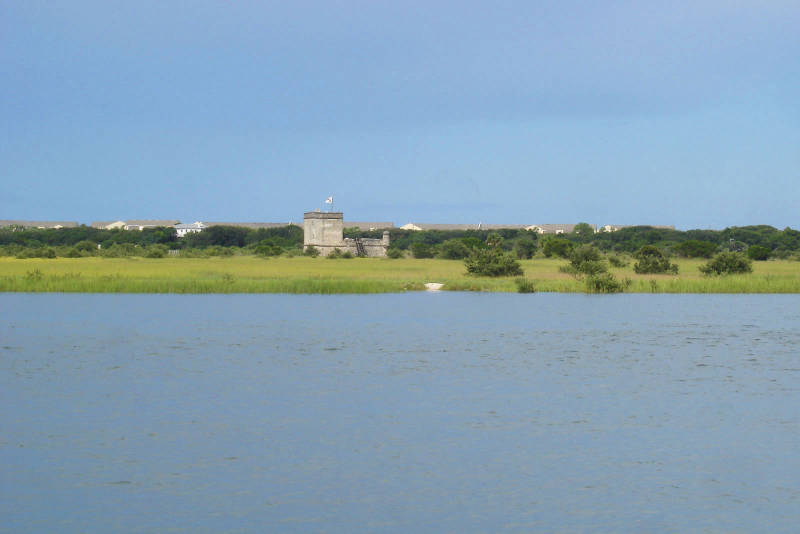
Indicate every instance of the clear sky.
{"type": "Point", "coordinates": [683, 113]}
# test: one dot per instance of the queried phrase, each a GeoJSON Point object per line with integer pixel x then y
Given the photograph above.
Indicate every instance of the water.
{"type": "Point", "coordinates": [425, 412]}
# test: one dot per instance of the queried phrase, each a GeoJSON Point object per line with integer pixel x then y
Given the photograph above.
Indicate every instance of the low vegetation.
{"type": "Point", "coordinates": [651, 260]}
{"type": "Point", "coordinates": [727, 263]}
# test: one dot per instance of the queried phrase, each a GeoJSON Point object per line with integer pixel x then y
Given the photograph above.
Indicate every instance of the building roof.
{"type": "Point", "coordinates": [555, 228]}
{"type": "Point", "coordinates": [40, 224]}
{"type": "Point", "coordinates": [254, 225]}
{"type": "Point", "coordinates": [477, 226]}
{"type": "Point", "coordinates": [368, 225]}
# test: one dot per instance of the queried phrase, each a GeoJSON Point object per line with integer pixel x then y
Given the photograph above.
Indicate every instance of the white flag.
{"type": "Point", "coordinates": [329, 200]}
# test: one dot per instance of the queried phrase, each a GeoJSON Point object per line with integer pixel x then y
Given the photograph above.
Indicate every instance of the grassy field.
{"type": "Point", "coordinates": [248, 274]}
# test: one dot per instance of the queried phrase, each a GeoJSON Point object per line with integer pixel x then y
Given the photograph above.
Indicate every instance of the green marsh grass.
{"type": "Point", "coordinates": [250, 274]}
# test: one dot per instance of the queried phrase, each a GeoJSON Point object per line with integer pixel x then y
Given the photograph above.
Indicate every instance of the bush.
{"type": "Point", "coordinates": [524, 285]}
{"type": "Point", "coordinates": [421, 250]}
{"type": "Point", "coordinates": [587, 259]}
{"type": "Point", "coordinates": [339, 254]}
{"type": "Point", "coordinates": [492, 262]}
{"type": "Point", "coordinates": [695, 249]}
{"type": "Point", "coordinates": [653, 261]}
{"type": "Point", "coordinates": [156, 251]}
{"type": "Point", "coordinates": [618, 261]}
{"type": "Point", "coordinates": [73, 252]}
{"type": "Point", "coordinates": [727, 263]}
{"type": "Point", "coordinates": [758, 253]}
{"type": "Point", "coordinates": [394, 253]}
{"type": "Point", "coordinates": [525, 248]}
{"type": "Point", "coordinates": [606, 283]}
{"type": "Point", "coordinates": [453, 249]}
{"type": "Point", "coordinates": [311, 251]}
{"type": "Point", "coordinates": [557, 247]}
{"type": "Point", "coordinates": [86, 246]}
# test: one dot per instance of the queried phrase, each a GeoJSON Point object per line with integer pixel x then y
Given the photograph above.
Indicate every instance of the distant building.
{"type": "Point", "coordinates": [134, 224]}
{"type": "Point", "coordinates": [38, 224]}
{"type": "Point", "coordinates": [450, 227]}
{"type": "Point", "coordinates": [616, 227]}
{"type": "Point", "coordinates": [252, 225]}
{"type": "Point", "coordinates": [183, 229]}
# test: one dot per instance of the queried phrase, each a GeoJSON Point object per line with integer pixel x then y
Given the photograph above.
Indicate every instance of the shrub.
{"type": "Point", "coordinates": [653, 261]}
{"type": "Point", "coordinates": [421, 250]}
{"type": "Point", "coordinates": [758, 253]}
{"type": "Point", "coordinates": [336, 254]}
{"type": "Point", "coordinates": [453, 249]}
{"type": "Point", "coordinates": [587, 259]}
{"type": "Point", "coordinates": [618, 261]}
{"type": "Point", "coordinates": [695, 249]}
{"type": "Point", "coordinates": [86, 246]}
{"type": "Point", "coordinates": [73, 252]}
{"type": "Point", "coordinates": [156, 251]}
{"type": "Point", "coordinates": [311, 251]}
{"type": "Point", "coordinates": [524, 285]}
{"type": "Point", "coordinates": [606, 283]}
{"type": "Point", "coordinates": [492, 262]}
{"type": "Point", "coordinates": [727, 263]}
{"type": "Point", "coordinates": [525, 248]}
{"type": "Point", "coordinates": [394, 253]}
{"type": "Point", "coordinates": [557, 247]}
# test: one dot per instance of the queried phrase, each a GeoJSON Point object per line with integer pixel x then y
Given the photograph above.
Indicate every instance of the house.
{"type": "Point", "coordinates": [450, 227]}
{"type": "Point", "coordinates": [615, 227]}
{"type": "Point", "coordinates": [252, 225]}
{"type": "Point", "coordinates": [183, 229]}
{"type": "Point", "coordinates": [134, 224]}
{"type": "Point", "coordinates": [38, 224]}
{"type": "Point", "coordinates": [554, 228]}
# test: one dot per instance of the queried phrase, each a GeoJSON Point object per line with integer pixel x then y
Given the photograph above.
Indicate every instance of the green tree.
{"type": "Point", "coordinates": [727, 263]}
{"type": "Point", "coordinates": [758, 253]}
{"type": "Point", "coordinates": [525, 248]}
{"type": "Point", "coordinates": [556, 246]}
{"type": "Point", "coordinates": [453, 249]}
{"type": "Point", "coordinates": [695, 249]}
{"type": "Point", "coordinates": [587, 259]}
{"type": "Point", "coordinates": [653, 261]}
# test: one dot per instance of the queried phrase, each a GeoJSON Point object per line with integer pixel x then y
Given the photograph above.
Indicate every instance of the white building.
{"type": "Point", "coordinates": [183, 229]}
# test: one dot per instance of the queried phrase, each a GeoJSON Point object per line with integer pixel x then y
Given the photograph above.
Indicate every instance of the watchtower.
{"type": "Point", "coordinates": [323, 230]}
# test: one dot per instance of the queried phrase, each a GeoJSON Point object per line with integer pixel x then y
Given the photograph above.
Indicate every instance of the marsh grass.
{"type": "Point", "coordinates": [248, 274]}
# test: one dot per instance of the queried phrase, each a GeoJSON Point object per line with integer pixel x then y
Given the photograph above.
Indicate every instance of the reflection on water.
{"type": "Point", "coordinates": [422, 412]}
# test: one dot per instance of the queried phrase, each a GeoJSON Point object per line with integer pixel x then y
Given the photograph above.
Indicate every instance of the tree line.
{"type": "Point", "coordinates": [759, 242]}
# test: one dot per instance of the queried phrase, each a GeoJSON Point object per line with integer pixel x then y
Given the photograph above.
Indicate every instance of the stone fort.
{"type": "Point", "coordinates": [324, 230]}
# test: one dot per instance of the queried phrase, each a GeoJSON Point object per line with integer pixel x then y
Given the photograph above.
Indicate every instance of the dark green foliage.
{"type": "Point", "coordinates": [453, 249]}
{"type": "Point", "coordinates": [727, 263]}
{"type": "Point", "coordinates": [422, 250]}
{"type": "Point", "coordinates": [86, 246]}
{"type": "Point", "coordinates": [605, 283]}
{"type": "Point", "coordinates": [525, 248]}
{"type": "Point", "coordinates": [524, 285]}
{"type": "Point", "coordinates": [652, 261]}
{"type": "Point", "coordinates": [339, 254]}
{"type": "Point", "coordinates": [311, 251]}
{"type": "Point", "coordinates": [73, 252]}
{"type": "Point", "coordinates": [695, 249]}
{"type": "Point", "coordinates": [156, 251]}
{"type": "Point", "coordinates": [556, 246]}
{"type": "Point", "coordinates": [394, 253]}
{"type": "Point", "coordinates": [267, 248]}
{"type": "Point", "coordinates": [587, 259]}
{"type": "Point", "coordinates": [38, 252]}
{"type": "Point", "coordinates": [758, 253]}
{"type": "Point", "coordinates": [618, 261]}
{"type": "Point", "coordinates": [492, 262]}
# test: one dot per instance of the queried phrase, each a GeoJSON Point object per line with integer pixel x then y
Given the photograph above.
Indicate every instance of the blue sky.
{"type": "Point", "coordinates": [496, 112]}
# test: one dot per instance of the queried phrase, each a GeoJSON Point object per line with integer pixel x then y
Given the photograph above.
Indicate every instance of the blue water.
{"type": "Point", "coordinates": [424, 412]}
